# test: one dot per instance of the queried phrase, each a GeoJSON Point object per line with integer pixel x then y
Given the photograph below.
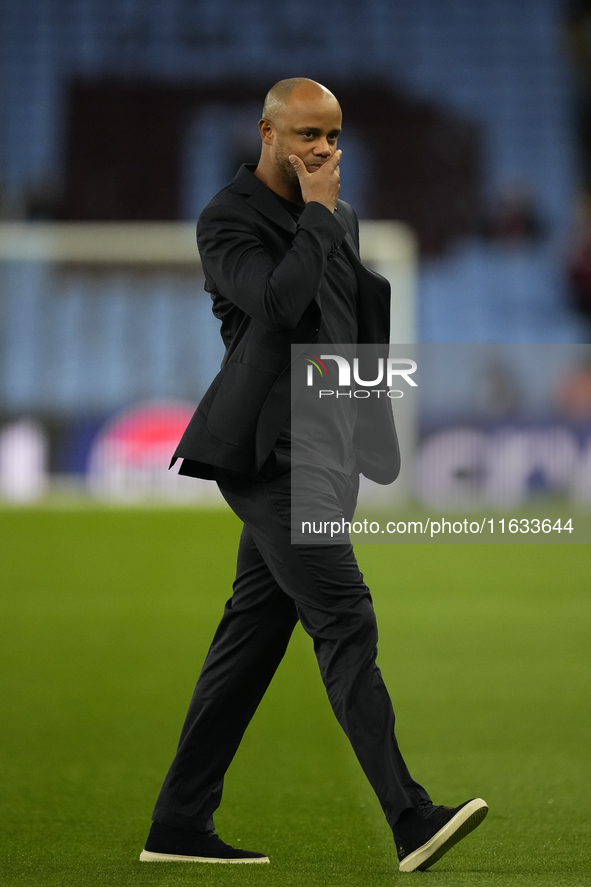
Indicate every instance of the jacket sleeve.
{"type": "Point", "coordinates": [237, 262]}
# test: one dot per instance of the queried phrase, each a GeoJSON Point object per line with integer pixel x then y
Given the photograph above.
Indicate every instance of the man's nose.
{"type": "Point", "coordinates": [322, 148]}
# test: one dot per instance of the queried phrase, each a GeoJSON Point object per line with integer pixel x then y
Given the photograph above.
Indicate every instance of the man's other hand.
{"type": "Point", "coordinates": [322, 185]}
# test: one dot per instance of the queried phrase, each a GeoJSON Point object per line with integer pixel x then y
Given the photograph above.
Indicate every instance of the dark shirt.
{"type": "Point", "coordinates": [322, 432]}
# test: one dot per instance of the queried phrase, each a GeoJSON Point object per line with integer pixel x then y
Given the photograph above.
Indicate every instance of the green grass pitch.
{"type": "Point", "coordinates": [106, 617]}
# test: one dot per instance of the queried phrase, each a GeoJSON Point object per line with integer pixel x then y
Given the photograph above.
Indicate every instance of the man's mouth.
{"type": "Point", "coordinates": [312, 167]}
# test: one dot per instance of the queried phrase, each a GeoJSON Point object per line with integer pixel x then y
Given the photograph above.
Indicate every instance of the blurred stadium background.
{"type": "Point", "coordinates": [467, 124]}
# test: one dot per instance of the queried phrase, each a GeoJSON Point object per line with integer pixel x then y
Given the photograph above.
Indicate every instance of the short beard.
{"type": "Point", "coordinates": [286, 168]}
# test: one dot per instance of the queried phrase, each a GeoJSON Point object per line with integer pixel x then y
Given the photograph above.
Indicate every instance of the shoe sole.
{"type": "Point", "coordinates": [148, 856]}
{"type": "Point", "coordinates": [464, 822]}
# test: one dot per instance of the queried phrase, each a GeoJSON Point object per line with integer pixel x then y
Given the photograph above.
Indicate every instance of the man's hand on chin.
{"type": "Point", "coordinates": [322, 185]}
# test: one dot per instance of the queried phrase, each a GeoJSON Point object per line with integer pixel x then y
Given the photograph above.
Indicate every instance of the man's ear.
{"type": "Point", "coordinates": [266, 130]}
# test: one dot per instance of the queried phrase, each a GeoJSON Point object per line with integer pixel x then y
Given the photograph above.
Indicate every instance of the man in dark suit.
{"type": "Point", "coordinates": [281, 262]}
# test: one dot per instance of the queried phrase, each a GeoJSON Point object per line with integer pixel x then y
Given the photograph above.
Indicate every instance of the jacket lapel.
{"type": "Point", "coordinates": [263, 199]}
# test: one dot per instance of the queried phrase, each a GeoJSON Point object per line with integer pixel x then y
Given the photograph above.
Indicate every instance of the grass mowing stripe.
{"type": "Point", "coordinates": [106, 618]}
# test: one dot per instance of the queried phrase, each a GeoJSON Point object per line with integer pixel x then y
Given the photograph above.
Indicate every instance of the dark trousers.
{"type": "Point", "coordinates": [276, 584]}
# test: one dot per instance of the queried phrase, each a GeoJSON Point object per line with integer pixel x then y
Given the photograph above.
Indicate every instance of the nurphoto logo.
{"type": "Point", "coordinates": [387, 370]}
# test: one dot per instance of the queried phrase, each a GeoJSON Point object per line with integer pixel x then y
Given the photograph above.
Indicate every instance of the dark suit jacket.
{"type": "Point", "coordinates": [263, 273]}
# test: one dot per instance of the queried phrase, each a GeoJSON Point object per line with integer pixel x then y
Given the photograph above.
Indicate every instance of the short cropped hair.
{"type": "Point", "coordinates": [278, 95]}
